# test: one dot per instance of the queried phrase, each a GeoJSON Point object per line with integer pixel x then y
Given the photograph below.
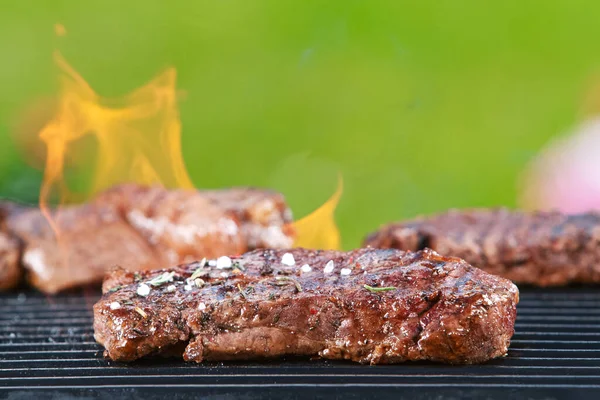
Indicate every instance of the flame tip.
{"type": "Point", "coordinates": [318, 229]}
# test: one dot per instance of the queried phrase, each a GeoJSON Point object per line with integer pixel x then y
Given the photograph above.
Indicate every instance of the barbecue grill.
{"type": "Point", "coordinates": [47, 350]}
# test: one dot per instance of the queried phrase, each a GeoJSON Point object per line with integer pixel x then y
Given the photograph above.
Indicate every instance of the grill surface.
{"type": "Point", "coordinates": [47, 350]}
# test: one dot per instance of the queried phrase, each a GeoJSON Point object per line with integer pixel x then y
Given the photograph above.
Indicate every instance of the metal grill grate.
{"type": "Point", "coordinates": [47, 350]}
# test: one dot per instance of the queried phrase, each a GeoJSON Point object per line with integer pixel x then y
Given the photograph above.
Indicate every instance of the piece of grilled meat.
{"type": "Point", "coordinates": [139, 228]}
{"type": "Point", "coordinates": [367, 305]}
{"type": "Point", "coordinates": [10, 270]}
{"type": "Point", "coordinates": [537, 248]}
{"type": "Point", "coordinates": [10, 253]}
{"type": "Point", "coordinates": [264, 215]}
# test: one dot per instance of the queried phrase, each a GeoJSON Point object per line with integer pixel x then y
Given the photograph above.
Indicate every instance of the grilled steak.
{"type": "Point", "coordinates": [538, 248]}
{"type": "Point", "coordinates": [371, 306]}
{"type": "Point", "coordinates": [140, 228]}
{"type": "Point", "coordinates": [92, 239]}
{"type": "Point", "coordinates": [10, 270]}
{"type": "Point", "coordinates": [10, 252]}
{"type": "Point", "coordinates": [264, 215]}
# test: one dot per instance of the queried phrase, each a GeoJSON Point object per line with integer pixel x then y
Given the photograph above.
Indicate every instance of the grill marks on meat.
{"type": "Point", "coordinates": [137, 228]}
{"type": "Point", "coordinates": [539, 248]}
{"type": "Point", "coordinates": [441, 310]}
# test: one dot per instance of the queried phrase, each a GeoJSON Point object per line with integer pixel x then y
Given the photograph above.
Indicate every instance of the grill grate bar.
{"type": "Point", "coordinates": [172, 369]}
{"type": "Point", "coordinates": [574, 334]}
{"type": "Point", "coordinates": [286, 386]}
{"type": "Point", "coordinates": [556, 325]}
{"type": "Point", "coordinates": [558, 318]}
{"type": "Point", "coordinates": [37, 321]}
{"type": "Point", "coordinates": [315, 378]}
{"type": "Point", "coordinates": [53, 352]}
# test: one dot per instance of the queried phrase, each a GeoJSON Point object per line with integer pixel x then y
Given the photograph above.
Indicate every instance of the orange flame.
{"type": "Point", "coordinates": [137, 139]}
{"type": "Point", "coordinates": [318, 230]}
{"type": "Point", "coordinates": [138, 142]}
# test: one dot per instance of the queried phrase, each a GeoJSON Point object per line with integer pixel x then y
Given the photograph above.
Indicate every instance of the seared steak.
{"type": "Point", "coordinates": [538, 248]}
{"type": "Point", "coordinates": [138, 228]}
{"type": "Point", "coordinates": [92, 239]}
{"type": "Point", "coordinates": [10, 270]}
{"type": "Point", "coordinates": [370, 306]}
{"type": "Point", "coordinates": [264, 215]}
{"type": "Point", "coordinates": [10, 253]}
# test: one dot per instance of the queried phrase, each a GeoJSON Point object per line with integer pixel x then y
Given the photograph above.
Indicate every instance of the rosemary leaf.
{"type": "Point", "coordinates": [115, 289]}
{"type": "Point", "coordinates": [288, 279]}
{"type": "Point", "coordinates": [239, 266]}
{"type": "Point", "coordinates": [162, 278]}
{"type": "Point", "coordinates": [242, 292]}
{"type": "Point", "coordinates": [199, 271]}
{"type": "Point", "coordinates": [379, 289]}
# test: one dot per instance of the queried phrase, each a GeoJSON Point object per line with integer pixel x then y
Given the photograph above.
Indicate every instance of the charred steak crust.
{"type": "Point", "coordinates": [538, 248]}
{"type": "Point", "coordinates": [416, 306]}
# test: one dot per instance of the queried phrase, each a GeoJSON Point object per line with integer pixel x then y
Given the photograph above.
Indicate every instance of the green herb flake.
{"type": "Point", "coordinates": [239, 266]}
{"type": "Point", "coordinates": [288, 279]}
{"type": "Point", "coordinates": [379, 289]}
{"type": "Point", "coordinates": [242, 292]}
{"type": "Point", "coordinates": [162, 278]}
{"type": "Point", "coordinates": [115, 289]}
{"type": "Point", "coordinates": [200, 270]}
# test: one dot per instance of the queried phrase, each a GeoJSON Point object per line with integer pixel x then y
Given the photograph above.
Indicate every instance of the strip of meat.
{"type": "Point", "coordinates": [367, 305]}
{"type": "Point", "coordinates": [264, 215]}
{"type": "Point", "coordinates": [10, 270]}
{"type": "Point", "coordinates": [134, 227]}
{"type": "Point", "coordinates": [537, 248]}
{"type": "Point", "coordinates": [92, 239]}
{"type": "Point", "coordinates": [10, 253]}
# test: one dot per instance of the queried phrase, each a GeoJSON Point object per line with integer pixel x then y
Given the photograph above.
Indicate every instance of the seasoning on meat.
{"type": "Point", "coordinates": [394, 306]}
{"type": "Point", "coordinates": [140, 228]}
{"type": "Point", "coordinates": [538, 248]}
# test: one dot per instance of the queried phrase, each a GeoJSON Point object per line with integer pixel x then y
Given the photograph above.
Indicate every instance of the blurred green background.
{"type": "Point", "coordinates": [421, 105]}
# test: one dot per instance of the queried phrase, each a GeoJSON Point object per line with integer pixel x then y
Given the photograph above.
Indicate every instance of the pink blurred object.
{"type": "Point", "coordinates": [565, 176]}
